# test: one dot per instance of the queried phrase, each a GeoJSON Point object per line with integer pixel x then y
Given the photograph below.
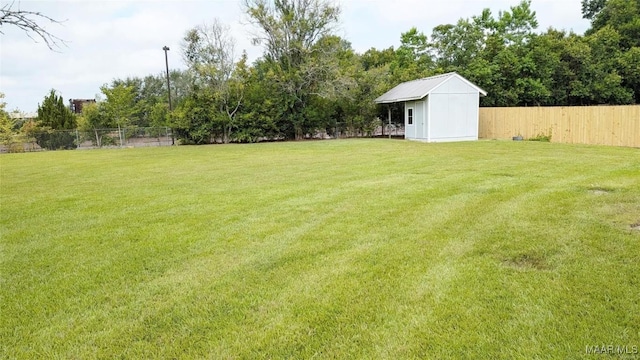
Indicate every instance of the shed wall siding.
{"type": "Point", "coordinates": [439, 116]}
{"type": "Point", "coordinates": [455, 85]}
{"type": "Point", "coordinates": [474, 117]}
{"type": "Point", "coordinates": [419, 119]}
{"type": "Point", "coordinates": [427, 118]}
{"type": "Point", "coordinates": [454, 117]}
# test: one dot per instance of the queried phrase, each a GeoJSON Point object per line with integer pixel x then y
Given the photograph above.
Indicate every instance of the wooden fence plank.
{"type": "Point", "coordinates": [602, 125]}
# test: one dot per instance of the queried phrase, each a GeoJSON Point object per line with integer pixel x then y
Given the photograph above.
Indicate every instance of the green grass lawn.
{"type": "Point", "coordinates": [376, 249]}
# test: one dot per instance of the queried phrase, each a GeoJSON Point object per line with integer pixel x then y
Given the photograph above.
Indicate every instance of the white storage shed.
{"type": "Point", "coordinates": [438, 108]}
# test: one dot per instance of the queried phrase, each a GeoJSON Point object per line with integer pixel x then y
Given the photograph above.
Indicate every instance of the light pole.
{"type": "Point", "coordinates": [166, 62]}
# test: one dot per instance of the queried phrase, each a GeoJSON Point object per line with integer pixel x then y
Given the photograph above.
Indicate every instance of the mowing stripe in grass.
{"type": "Point", "coordinates": [336, 249]}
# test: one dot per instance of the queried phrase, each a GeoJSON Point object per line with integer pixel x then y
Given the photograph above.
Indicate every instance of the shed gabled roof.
{"type": "Point", "coordinates": [418, 89]}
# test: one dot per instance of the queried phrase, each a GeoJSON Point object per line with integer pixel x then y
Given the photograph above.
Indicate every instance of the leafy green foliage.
{"type": "Point", "coordinates": [412, 59]}
{"type": "Point", "coordinates": [55, 139]}
{"type": "Point", "coordinates": [630, 71]}
{"type": "Point", "coordinates": [53, 113]}
{"type": "Point", "coordinates": [120, 105]}
{"type": "Point", "coordinates": [622, 15]}
{"type": "Point", "coordinates": [542, 137]}
{"type": "Point", "coordinates": [299, 54]}
{"type": "Point", "coordinates": [54, 116]}
{"type": "Point", "coordinates": [6, 125]}
{"type": "Point", "coordinates": [150, 96]}
{"type": "Point", "coordinates": [590, 8]}
{"type": "Point", "coordinates": [193, 119]}
{"type": "Point", "coordinates": [310, 82]}
{"type": "Point", "coordinates": [95, 120]}
{"type": "Point", "coordinates": [209, 52]}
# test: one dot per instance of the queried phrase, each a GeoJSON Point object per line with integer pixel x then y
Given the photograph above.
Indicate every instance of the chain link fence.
{"type": "Point", "coordinates": [346, 130]}
{"type": "Point", "coordinates": [94, 139]}
{"type": "Point", "coordinates": [145, 137]}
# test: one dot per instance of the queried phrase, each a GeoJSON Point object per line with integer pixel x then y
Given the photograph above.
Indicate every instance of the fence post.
{"type": "Point", "coordinates": [77, 140]}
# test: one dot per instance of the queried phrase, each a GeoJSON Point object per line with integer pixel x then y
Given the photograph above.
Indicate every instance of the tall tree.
{"type": "Point", "coordinates": [494, 52]}
{"type": "Point", "coordinates": [547, 53]}
{"type": "Point", "coordinates": [412, 59]}
{"type": "Point", "coordinates": [374, 58]}
{"type": "Point", "coordinates": [591, 8]}
{"type": "Point", "coordinates": [621, 15]}
{"type": "Point", "coordinates": [290, 31]}
{"type": "Point", "coordinates": [614, 38]}
{"type": "Point", "coordinates": [607, 84]}
{"type": "Point", "coordinates": [630, 71]}
{"type": "Point", "coordinates": [456, 46]}
{"type": "Point", "coordinates": [209, 51]}
{"type": "Point", "coordinates": [150, 95]}
{"type": "Point", "coordinates": [95, 121]}
{"type": "Point", "coordinates": [517, 25]}
{"type": "Point", "coordinates": [54, 116]}
{"type": "Point", "coordinates": [120, 105]}
{"type": "Point", "coordinates": [6, 124]}
{"type": "Point", "coordinates": [260, 115]}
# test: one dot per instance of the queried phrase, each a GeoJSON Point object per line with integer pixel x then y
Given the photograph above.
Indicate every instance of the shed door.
{"type": "Point", "coordinates": [410, 127]}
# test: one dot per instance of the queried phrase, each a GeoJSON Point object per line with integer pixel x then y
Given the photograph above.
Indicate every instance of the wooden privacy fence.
{"type": "Point", "coordinates": [602, 125]}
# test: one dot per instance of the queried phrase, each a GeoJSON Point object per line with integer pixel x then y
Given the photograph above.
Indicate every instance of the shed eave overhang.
{"type": "Point", "coordinates": [399, 100]}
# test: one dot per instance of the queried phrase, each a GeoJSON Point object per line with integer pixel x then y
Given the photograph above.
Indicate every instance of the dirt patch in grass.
{"type": "Point", "coordinates": [504, 175]}
{"type": "Point", "coordinates": [527, 261]}
{"type": "Point", "coordinates": [597, 190]}
{"type": "Point", "coordinates": [635, 226]}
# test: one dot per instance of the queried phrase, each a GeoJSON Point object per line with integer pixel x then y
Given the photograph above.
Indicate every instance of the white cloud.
{"type": "Point", "coordinates": [110, 39]}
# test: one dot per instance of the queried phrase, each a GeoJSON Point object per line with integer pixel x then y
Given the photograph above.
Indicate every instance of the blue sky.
{"type": "Point", "coordinates": [109, 39]}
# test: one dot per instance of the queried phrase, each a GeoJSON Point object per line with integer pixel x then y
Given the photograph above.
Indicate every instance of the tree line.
{"type": "Point", "coordinates": [310, 81]}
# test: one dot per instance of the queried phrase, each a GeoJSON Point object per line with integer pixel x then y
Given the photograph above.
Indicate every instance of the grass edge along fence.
{"type": "Point", "coordinates": [596, 125]}
{"type": "Point", "coordinates": [96, 138]}
{"type": "Point", "coordinates": [162, 136]}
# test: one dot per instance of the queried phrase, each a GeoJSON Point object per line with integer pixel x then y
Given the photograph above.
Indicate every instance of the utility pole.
{"type": "Point", "coordinates": [166, 62]}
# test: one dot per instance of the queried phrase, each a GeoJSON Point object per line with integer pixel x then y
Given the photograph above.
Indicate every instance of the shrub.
{"type": "Point", "coordinates": [542, 137]}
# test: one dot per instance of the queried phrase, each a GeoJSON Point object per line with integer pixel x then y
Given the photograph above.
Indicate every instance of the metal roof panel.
{"type": "Point", "coordinates": [418, 89]}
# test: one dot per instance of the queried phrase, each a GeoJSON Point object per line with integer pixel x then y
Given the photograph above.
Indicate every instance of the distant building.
{"type": "Point", "coordinates": [22, 116]}
{"type": "Point", "coordinates": [76, 104]}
